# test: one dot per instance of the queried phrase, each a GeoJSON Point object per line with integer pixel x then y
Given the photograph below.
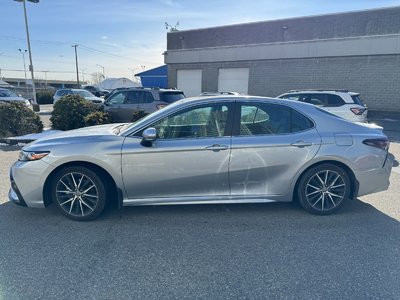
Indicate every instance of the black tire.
{"type": "Point", "coordinates": [79, 193]}
{"type": "Point", "coordinates": [324, 189]}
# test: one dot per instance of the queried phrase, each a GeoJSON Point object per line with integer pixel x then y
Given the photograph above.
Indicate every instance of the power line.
{"type": "Point", "coordinates": [48, 71]}
{"type": "Point", "coordinates": [90, 49]}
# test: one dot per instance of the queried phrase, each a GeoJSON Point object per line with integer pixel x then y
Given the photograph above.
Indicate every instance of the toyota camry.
{"type": "Point", "coordinates": [222, 149]}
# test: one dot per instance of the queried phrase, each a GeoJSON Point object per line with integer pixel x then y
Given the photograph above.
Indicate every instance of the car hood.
{"type": "Point", "coordinates": [94, 99]}
{"type": "Point", "coordinates": [12, 99]}
{"type": "Point", "coordinates": [81, 135]}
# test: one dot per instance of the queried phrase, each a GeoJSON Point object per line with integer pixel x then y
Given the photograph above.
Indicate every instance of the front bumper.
{"type": "Point", "coordinates": [27, 182]}
{"type": "Point", "coordinates": [14, 195]}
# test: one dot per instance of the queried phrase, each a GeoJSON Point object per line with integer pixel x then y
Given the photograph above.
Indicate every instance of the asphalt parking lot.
{"type": "Point", "coordinates": [203, 251]}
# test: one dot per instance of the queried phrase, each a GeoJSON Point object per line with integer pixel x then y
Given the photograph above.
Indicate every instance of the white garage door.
{"type": "Point", "coordinates": [189, 81]}
{"type": "Point", "coordinates": [233, 80]}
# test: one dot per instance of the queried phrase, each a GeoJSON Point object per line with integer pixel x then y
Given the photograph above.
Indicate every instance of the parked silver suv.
{"type": "Point", "coordinates": [123, 103]}
{"type": "Point", "coordinates": [343, 103]}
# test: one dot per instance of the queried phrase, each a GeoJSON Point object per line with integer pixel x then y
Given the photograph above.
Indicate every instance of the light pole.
{"type": "Point", "coordinates": [35, 105]}
{"type": "Point", "coordinates": [104, 75]}
{"type": "Point", "coordinates": [45, 77]}
{"type": "Point", "coordinates": [83, 75]}
{"type": "Point", "coordinates": [23, 57]}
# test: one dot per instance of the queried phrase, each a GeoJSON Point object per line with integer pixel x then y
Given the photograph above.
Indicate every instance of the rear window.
{"type": "Point", "coordinates": [328, 113]}
{"type": "Point", "coordinates": [357, 100]}
{"type": "Point", "coordinates": [171, 97]}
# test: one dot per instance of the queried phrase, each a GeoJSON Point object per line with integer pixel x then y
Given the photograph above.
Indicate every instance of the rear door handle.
{"type": "Point", "coordinates": [301, 144]}
{"type": "Point", "coordinates": [217, 147]}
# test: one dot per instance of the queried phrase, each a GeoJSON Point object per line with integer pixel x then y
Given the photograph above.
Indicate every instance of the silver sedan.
{"type": "Point", "coordinates": [223, 149]}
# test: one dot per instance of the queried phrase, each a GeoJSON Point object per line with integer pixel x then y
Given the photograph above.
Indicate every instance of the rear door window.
{"type": "Point", "coordinates": [261, 119]}
{"type": "Point", "coordinates": [315, 99]}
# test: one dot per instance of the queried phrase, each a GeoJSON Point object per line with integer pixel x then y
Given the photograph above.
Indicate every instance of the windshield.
{"type": "Point", "coordinates": [83, 93]}
{"type": "Point", "coordinates": [150, 116]}
{"type": "Point", "coordinates": [7, 93]}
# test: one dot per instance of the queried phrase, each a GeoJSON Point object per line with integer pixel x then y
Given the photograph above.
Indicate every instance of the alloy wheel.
{"type": "Point", "coordinates": [77, 194]}
{"type": "Point", "coordinates": [325, 190]}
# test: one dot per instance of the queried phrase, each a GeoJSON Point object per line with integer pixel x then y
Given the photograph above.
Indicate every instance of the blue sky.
{"type": "Point", "coordinates": [127, 34]}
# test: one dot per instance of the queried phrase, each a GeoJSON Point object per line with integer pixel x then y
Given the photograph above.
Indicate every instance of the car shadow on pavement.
{"type": "Point", "coordinates": [212, 251]}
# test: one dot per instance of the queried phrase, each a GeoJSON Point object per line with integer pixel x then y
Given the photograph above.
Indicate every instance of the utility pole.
{"type": "Point", "coordinates": [45, 77]}
{"type": "Point", "coordinates": [76, 62]}
{"type": "Point", "coordinates": [35, 105]}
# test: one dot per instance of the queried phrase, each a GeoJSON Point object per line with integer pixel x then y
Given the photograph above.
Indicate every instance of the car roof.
{"type": "Point", "coordinates": [245, 98]}
{"type": "Point", "coordinates": [331, 91]}
{"type": "Point", "coordinates": [147, 89]}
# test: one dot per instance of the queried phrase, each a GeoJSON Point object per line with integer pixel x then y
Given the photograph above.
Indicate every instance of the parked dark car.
{"type": "Point", "coordinates": [123, 103]}
{"type": "Point", "coordinates": [96, 91]}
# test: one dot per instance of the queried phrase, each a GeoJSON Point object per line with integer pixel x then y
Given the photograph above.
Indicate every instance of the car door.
{"type": "Point", "coordinates": [114, 106]}
{"type": "Point", "coordinates": [188, 160]}
{"type": "Point", "coordinates": [270, 143]}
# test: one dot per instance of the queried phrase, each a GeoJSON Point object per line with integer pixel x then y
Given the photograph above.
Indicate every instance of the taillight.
{"type": "Point", "coordinates": [358, 110]}
{"type": "Point", "coordinates": [381, 143]}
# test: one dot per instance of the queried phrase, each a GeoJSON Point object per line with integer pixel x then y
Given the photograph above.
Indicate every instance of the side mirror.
{"type": "Point", "coordinates": [149, 134]}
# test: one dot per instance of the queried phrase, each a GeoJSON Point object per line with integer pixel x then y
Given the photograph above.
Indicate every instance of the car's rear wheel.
{"type": "Point", "coordinates": [79, 193]}
{"type": "Point", "coordinates": [324, 189]}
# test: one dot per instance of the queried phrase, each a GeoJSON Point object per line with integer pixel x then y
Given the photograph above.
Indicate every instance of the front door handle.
{"type": "Point", "coordinates": [217, 147]}
{"type": "Point", "coordinates": [301, 144]}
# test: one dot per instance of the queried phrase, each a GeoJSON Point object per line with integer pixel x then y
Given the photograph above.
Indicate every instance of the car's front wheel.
{"type": "Point", "coordinates": [324, 189]}
{"type": "Point", "coordinates": [79, 193]}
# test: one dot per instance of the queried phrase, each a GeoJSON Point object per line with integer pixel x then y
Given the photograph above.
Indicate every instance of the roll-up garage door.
{"type": "Point", "coordinates": [189, 81]}
{"type": "Point", "coordinates": [233, 80]}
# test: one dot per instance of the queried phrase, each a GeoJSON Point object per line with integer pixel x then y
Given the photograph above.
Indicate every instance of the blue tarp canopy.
{"type": "Point", "coordinates": [156, 77]}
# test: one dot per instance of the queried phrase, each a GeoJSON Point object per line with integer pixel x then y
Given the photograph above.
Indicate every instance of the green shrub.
{"type": "Point", "coordinates": [70, 112]}
{"type": "Point", "coordinates": [138, 114]}
{"type": "Point", "coordinates": [17, 119]}
{"type": "Point", "coordinates": [97, 118]}
{"type": "Point", "coordinates": [73, 111]}
{"type": "Point", "coordinates": [45, 97]}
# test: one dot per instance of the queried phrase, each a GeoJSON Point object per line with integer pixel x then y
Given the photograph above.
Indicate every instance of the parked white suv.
{"type": "Point", "coordinates": [345, 104]}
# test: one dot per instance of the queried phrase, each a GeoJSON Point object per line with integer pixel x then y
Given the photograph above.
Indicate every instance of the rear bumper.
{"type": "Point", "coordinates": [376, 180]}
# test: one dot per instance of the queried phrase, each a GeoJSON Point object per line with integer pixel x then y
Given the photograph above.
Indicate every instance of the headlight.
{"type": "Point", "coordinates": [32, 155]}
